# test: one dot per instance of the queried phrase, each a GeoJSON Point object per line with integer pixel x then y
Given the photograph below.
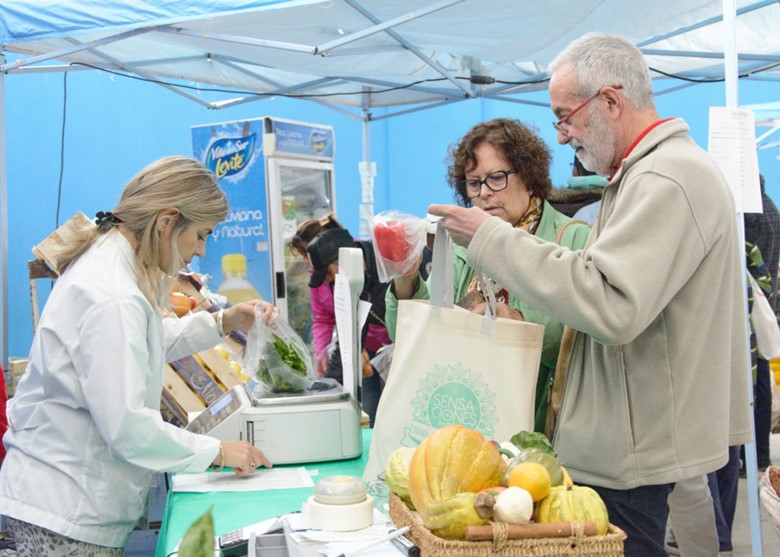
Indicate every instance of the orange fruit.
{"type": "Point", "coordinates": [533, 477]}
{"type": "Point", "coordinates": [180, 303]}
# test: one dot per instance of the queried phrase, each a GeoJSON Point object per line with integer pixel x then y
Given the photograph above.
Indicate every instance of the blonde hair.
{"type": "Point", "coordinates": [171, 182]}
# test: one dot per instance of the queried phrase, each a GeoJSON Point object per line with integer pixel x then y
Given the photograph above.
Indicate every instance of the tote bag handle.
{"type": "Point", "coordinates": [442, 289]}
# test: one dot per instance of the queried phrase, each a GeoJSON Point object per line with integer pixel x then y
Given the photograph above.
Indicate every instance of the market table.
{"type": "Point", "coordinates": [236, 509]}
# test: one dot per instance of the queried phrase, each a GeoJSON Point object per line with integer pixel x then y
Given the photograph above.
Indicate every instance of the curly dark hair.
{"type": "Point", "coordinates": [520, 145]}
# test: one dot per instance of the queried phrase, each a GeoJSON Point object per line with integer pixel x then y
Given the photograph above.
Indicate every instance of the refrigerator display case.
{"type": "Point", "coordinates": [276, 174]}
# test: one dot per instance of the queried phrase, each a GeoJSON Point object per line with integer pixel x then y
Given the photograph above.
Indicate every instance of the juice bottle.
{"type": "Point", "coordinates": [235, 286]}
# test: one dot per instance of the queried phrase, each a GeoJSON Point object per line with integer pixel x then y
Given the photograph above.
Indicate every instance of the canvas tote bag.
{"type": "Point", "coordinates": [452, 366]}
{"type": "Point", "coordinates": [764, 324]}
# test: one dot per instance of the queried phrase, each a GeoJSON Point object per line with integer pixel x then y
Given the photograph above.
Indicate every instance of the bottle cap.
{"type": "Point", "coordinates": [234, 263]}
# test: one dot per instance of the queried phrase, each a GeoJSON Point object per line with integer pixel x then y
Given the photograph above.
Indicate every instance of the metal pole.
{"type": "Point", "coordinates": [3, 227]}
{"type": "Point", "coordinates": [730, 70]}
{"type": "Point", "coordinates": [367, 171]}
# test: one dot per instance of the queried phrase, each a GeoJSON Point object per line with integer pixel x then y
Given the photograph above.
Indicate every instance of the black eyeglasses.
{"type": "Point", "coordinates": [563, 123]}
{"type": "Point", "coordinates": [495, 181]}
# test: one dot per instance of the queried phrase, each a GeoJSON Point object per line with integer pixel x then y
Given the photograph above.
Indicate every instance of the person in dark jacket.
{"type": "Point", "coordinates": [323, 253]}
{"type": "Point", "coordinates": [324, 257]}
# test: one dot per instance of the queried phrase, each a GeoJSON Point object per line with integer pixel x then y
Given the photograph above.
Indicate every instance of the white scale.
{"type": "Point", "coordinates": [319, 424]}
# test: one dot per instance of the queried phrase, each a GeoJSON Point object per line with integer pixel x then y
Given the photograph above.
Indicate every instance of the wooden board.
{"type": "Point", "coordinates": [50, 248]}
{"type": "Point", "coordinates": [182, 394]}
{"type": "Point", "coordinates": [198, 379]}
{"type": "Point", "coordinates": [220, 367]}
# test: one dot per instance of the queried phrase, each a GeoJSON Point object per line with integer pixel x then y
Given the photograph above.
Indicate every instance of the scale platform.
{"type": "Point", "coordinates": [317, 425]}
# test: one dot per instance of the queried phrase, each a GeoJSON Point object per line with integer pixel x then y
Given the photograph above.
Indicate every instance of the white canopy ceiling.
{"type": "Point", "coordinates": [359, 54]}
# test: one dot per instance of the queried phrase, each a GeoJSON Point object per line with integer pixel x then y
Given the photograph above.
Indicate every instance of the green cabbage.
{"type": "Point", "coordinates": [532, 439]}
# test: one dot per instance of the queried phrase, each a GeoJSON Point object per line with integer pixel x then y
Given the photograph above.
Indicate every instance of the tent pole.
{"type": "Point", "coordinates": [730, 72]}
{"type": "Point", "coordinates": [3, 228]}
{"type": "Point", "coordinates": [367, 171]}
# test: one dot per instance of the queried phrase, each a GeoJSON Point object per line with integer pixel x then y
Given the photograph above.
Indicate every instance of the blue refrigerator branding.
{"type": "Point", "coordinates": [234, 152]}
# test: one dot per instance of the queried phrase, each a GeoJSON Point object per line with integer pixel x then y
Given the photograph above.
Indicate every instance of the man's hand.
{"type": "Point", "coordinates": [460, 222]}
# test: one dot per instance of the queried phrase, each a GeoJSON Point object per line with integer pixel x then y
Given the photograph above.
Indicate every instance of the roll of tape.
{"type": "Point", "coordinates": [338, 518]}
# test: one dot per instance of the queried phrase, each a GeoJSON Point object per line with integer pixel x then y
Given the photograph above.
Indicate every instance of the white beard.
{"type": "Point", "coordinates": [597, 148]}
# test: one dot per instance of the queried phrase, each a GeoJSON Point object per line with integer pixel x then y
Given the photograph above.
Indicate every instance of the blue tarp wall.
{"type": "Point", "coordinates": [114, 126]}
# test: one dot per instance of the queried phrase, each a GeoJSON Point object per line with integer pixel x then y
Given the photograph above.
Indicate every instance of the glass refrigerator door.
{"type": "Point", "coordinates": [299, 190]}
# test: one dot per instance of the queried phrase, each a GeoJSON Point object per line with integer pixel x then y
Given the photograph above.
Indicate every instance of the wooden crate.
{"type": "Point", "coordinates": [607, 545]}
{"type": "Point", "coordinates": [16, 368]}
{"type": "Point", "coordinates": [192, 383]}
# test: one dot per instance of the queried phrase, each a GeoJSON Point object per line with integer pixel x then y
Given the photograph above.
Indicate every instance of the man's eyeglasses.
{"type": "Point", "coordinates": [563, 122]}
{"type": "Point", "coordinates": [495, 181]}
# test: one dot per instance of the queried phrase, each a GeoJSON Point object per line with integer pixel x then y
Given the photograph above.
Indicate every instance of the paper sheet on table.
{"type": "Point", "coordinates": [326, 542]}
{"type": "Point", "coordinates": [275, 478]}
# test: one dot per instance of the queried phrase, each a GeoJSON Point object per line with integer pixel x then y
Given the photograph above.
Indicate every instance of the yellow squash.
{"type": "Point", "coordinates": [450, 463]}
{"type": "Point", "coordinates": [577, 502]}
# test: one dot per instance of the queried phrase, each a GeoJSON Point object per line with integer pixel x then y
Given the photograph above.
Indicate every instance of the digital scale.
{"type": "Point", "coordinates": [321, 423]}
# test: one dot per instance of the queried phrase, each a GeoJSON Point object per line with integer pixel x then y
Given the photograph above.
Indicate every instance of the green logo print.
{"type": "Point", "coordinates": [451, 394]}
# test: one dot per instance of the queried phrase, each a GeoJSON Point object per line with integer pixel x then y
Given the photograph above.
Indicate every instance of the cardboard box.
{"type": "Point", "coordinates": [16, 368]}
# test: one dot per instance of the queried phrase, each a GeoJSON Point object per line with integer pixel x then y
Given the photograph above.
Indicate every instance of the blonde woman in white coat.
{"type": "Point", "coordinates": [85, 433]}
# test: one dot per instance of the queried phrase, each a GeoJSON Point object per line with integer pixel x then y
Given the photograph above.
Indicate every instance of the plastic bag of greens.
{"type": "Point", "coordinates": [277, 356]}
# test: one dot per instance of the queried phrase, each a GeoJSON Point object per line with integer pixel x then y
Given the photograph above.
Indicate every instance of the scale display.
{"type": "Point", "coordinates": [229, 404]}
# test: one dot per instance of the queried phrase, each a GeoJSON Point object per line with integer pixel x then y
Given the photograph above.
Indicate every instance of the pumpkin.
{"type": "Point", "coordinates": [449, 463]}
{"type": "Point", "coordinates": [577, 502]}
{"type": "Point", "coordinates": [397, 473]}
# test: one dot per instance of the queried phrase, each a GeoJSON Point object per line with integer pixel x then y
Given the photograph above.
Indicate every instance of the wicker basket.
{"type": "Point", "coordinates": [608, 545]}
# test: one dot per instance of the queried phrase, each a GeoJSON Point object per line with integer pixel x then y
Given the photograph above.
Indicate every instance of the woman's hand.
{"type": "Point", "coordinates": [405, 285]}
{"type": "Point", "coordinates": [242, 316]}
{"type": "Point", "coordinates": [502, 310]}
{"type": "Point", "coordinates": [366, 367]}
{"type": "Point", "coordinates": [243, 457]}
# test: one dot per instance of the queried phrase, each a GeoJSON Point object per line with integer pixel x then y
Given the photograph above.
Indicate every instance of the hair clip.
{"type": "Point", "coordinates": [106, 220]}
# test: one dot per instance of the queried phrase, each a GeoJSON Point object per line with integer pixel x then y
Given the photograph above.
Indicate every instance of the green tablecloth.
{"type": "Point", "coordinates": [232, 510]}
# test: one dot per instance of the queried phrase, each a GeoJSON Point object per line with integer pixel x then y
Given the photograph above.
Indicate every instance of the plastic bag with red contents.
{"type": "Point", "coordinates": [399, 239]}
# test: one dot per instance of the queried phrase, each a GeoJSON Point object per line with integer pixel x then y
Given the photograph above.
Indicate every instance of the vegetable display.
{"type": "Point", "coordinates": [458, 481]}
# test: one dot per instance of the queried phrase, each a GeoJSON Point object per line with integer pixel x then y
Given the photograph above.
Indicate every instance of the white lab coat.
{"type": "Point", "coordinates": [85, 432]}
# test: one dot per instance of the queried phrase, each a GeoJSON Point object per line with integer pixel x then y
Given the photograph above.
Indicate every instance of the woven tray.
{"type": "Point", "coordinates": [608, 545]}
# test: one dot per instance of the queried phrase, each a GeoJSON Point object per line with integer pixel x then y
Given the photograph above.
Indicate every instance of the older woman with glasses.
{"type": "Point", "coordinates": [502, 167]}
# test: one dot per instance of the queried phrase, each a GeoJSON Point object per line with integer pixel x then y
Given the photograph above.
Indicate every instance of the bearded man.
{"type": "Point", "coordinates": [655, 391]}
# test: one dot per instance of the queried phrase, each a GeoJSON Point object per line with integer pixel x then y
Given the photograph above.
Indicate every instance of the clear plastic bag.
{"type": "Point", "coordinates": [277, 356]}
{"type": "Point", "coordinates": [399, 239]}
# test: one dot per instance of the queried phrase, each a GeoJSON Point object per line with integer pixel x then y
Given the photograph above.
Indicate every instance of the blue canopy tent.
{"type": "Point", "coordinates": [356, 55]}
{"type": "Point", "coordinates": [767, 115]}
